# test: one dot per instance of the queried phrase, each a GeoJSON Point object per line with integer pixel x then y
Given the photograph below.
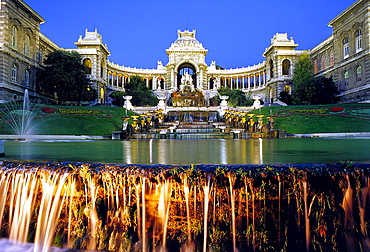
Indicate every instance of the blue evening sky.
{"type": "Point", "coordinates": [235, 32]}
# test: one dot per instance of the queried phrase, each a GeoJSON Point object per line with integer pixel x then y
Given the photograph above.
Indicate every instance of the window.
{"type": "Point", "coordinates": [27, 45]}
{"type": "Point", "coordinates": [88, 65]}
{"type": "Point", "coordinates": [358, 74]}
{"type": "Point", "coordinates": [271, 69]}
{"type": "Point", "coordinates": [358, 40]}
{"type": "Point", "coordinates": [316, 66]}
{"type": "Point", "coordinates": [345, 48]}
{"type": "Point", "coordinates": [14, 73]}
{"type": "Point", "coordinates": [286, 67]}
{"type": "Point", "coordinates": [331, 54]}
{"type": "Point", "coordinates": [287, 89]}
{"type": "Point", "coordinates": [14, 38]}
{"type": "Point", "coordinates": [323, 63]}
{"type": "Point", "coordinates": [346, 78]}
{"type": "Point", "coordinates": [27, 77]}
{"type": "Point", "coordinates": [39, 57]}
{"type": "Point", "coordinates": [102, 68]}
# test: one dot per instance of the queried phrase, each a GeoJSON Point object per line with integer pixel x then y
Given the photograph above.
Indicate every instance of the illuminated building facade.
{"type": "Point", "coordinates": [343, 56]}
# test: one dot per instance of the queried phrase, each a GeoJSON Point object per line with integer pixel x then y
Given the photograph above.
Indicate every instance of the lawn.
{"type": "Point", "coordinates": [101, 121]}
{"type": "Point", "coordinates": [320, 119]}
{"type": "Point", "coordinates": [62, 120]}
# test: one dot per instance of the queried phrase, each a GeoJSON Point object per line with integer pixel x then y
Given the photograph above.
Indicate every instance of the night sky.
{"type": "Point", "coordinates": [235, 32]}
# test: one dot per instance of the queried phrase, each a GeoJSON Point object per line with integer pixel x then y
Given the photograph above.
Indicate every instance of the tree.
{"type": "Point", "coordinates": [236, 96]}
{"type": "Point", "coordinates": [136, 83]}
{"type": "Point", "coordinates": [303, 80]}
{"type": "Point", "coordinates": [141, 94]}
{"type": "Point", "coordinates": [285, 97]}
{"type": "Point", "coordinates": [64, 78]}
{"type": "Point", "coordinates": [325, 91]}
{"type": "Point", "coordinates": [117, 97]}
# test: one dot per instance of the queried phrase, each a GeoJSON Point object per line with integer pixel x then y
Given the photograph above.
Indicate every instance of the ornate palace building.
{"type": "Point", "coordinates": [344, 56]}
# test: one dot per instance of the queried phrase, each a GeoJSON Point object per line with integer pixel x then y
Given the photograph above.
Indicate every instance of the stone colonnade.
{"type": "Point", "coordinates": [245, 81]}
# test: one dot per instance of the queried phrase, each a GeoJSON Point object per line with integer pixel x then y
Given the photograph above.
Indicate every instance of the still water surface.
{"type": "Point", "coordinates": [194, 151]}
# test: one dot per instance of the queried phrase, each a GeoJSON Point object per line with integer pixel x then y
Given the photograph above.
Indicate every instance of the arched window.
{"type": "Point", "coordinates": [358, 74]}
{"type": "Point", "coordinates": [27, 77]}
{"type": "Point", "coordinates": [27, 45]}
{"type": "Point", "coordinates": [345, 75]}
{"type": "Point", "coordinates": [14, 73]}
{"type": "Point", "coordinates": [286, 67]}
{"type": "Point", "coordinates": [358, 40]}
{"type": "Point", "coordinates": [271, 69]}
{"type": "Point", "coordinates": [316, 66]}
{"type": "Point", "coordinates": [287, 89]}
{"type": "Point", "coordinates": [345, 48]}
{"type": "Point", "coordinates": [14, 37]}
{"type": "Point", "coordinates": [331, 55]}
{"type": "Point", "coordinates": [102, 64]}
{"type": "Point", "coordinates": [323, 63]}
{"type": "Point", "coordinates": [88, 65]}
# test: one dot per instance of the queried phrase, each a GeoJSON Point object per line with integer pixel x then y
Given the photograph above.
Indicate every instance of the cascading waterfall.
{"type": "Point", "coordinates": [312, 207]}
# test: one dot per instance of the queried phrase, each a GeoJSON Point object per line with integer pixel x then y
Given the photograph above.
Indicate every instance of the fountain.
{"type": "Point", "coordinates": [310, 207]}
{"type": "Point", "coordinates": [19, 117]}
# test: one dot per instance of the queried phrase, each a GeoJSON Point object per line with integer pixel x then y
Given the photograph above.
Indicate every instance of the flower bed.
{"type": "Point", "coordinates": [48, 110]}
{"type": "Point", "coordinates": [336, 110]}
{"type": "Point", "coordinates": [288, 112]}
{"type": "Point", "coordinates": [72, 111]}
{"type": "Point", "coordinates": [64, 111]}
{"type": "Point", "coordinates": [361, 112]}
{"type": "Point", "coordinates": [21, 112]}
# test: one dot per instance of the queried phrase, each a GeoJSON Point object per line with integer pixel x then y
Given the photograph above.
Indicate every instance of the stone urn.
{"type": "Point", "coordinates": [161, 103]}
{"type": "Point", "coordinates": [257, 102]}
{"type": "Point", "coordinates": [223, 106]}
{"type": "Point", "coordinates": [127, 104]}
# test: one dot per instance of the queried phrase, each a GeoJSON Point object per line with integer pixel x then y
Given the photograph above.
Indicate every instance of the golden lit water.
{"type": "Point", "coordinates": [309, 207]}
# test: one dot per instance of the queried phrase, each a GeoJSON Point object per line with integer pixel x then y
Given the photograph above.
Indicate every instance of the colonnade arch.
{"type": "Point", "coordinates": [160, 83]}
{"type": "Point", "coordinates": [212, 83]}
{"type": "Point", "coordinates": [189, 69]}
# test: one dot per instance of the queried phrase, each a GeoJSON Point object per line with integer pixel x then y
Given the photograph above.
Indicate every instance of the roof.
{"type": "Point", "coordinates": [345, 12]}
{"type": "Point", "coordinates": [29, 10]}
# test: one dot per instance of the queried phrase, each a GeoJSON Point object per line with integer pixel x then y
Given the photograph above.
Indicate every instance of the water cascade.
{"type": "Point", "coordinates": [310, 207]}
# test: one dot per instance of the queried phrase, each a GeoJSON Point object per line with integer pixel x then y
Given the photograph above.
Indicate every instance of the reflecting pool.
{"type": "Point", "coordinates": [193, 151]}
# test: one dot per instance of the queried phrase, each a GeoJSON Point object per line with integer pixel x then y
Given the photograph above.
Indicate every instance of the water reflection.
{"type": "Point", "coordinates": [261, 150]}
{"type": "Point", "coordinates": [194, 151]}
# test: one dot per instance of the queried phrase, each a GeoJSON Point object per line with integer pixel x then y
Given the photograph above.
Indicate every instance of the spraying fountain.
{"type": "Point", "coordinates": [311, 207]}
{"type": "Point", "coordinates": [19, 117]}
